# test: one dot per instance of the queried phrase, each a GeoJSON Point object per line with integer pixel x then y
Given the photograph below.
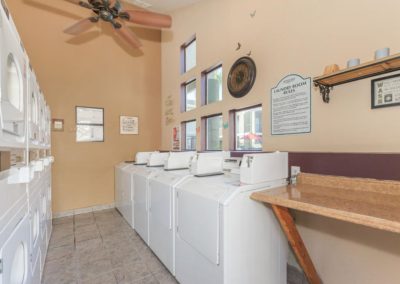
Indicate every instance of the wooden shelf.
{"type": "Point", "coordinates": [368, 202]}
{"type": "Point", "coordinates": [362, 71]}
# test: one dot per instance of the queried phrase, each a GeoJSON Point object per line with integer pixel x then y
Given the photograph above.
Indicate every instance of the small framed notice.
{"type": "Point", "coordinates": [129, 125]}
{"type": "Point", "coordinates": [385, 92]}
{"type": "Point", "coordinates": [57, 124]}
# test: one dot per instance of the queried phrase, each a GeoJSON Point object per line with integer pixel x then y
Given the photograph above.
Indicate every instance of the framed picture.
{"type": "Point", "coordinates": [89, 124]}
{"type": "Point", "coordinates": [385, 92]}
{"type": "Point", "coordinates": [57, 124]}
{"type": "Point", "coordinates": [129, 125]}
{"type": "Point", "coordinates": [176, 138]}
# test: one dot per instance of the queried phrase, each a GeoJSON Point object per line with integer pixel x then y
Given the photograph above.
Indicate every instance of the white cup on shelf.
{"type": "Point", "coordinates": [353, 62]}
{"type": "Point", "coordinates": [381, 53]}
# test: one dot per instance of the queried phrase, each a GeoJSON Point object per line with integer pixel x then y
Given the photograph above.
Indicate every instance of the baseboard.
{"type": "Point", "coordinates": [83, 210]}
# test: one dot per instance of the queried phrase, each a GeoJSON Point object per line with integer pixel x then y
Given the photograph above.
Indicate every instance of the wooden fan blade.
{"type": "Point", "coordinates": [74, 1]}
{"type": "Point", "coordinates": [130, 37]}
{"type": "Point", "coordinates": [79, 27]}
{"type": "Point", "coordinates": [149, 18]}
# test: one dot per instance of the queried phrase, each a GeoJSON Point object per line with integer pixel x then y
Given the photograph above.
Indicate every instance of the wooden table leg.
{"type": "Point", "coordinates": [294, 238]}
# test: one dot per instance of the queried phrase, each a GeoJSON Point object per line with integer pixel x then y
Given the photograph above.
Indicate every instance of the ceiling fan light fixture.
{"type": "Point", "coordinates": [112, 11]}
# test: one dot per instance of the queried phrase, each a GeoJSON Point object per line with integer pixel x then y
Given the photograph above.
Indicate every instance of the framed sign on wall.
{"type": "Point", "coordinates": [385, 92]}
{"type": "Point", "coordinates": [129, 125]}
{"type": "Point", "coordinates": [57, 124]}
{"type": "Point", "coordinates": [176, 138]}
{"type": "Point", "coordinates": [291, 106]}
{"type": "Point", "coordinates": [89, 124]}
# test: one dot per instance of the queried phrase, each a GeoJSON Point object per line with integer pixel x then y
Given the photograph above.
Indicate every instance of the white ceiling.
{"type": "Point", "coordinates": [162, 5]}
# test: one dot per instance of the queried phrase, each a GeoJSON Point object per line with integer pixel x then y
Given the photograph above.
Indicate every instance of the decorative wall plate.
{"type": "Point", "coordinates": [241, 77]}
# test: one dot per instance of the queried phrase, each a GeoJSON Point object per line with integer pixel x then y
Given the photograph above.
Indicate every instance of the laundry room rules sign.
{"type": "Point", "coordinates": [291, 106]}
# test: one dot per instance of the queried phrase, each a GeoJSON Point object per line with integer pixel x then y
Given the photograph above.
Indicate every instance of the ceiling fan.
{"type": "Point", "coordinates": [112, 11]}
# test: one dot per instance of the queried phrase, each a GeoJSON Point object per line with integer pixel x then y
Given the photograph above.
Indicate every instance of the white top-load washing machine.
{"type": "Point", "coordinates": [140, 177]}
{"type": "Point", "coordinates": [124, 185]}
{"type": "Point", "coordinates": [162, 206]}
{"type": "Point", "coordinates": [222, 236]}
{"type": "Point", "coordinates": [13, 85]}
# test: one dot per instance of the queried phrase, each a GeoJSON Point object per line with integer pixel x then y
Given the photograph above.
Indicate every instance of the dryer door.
{"type": "Point", "coordinates": [198, 221]}
{"type": "Point", "coordinates": [15, 254]}
{"type": "Point", "coordinates": [13, 84]}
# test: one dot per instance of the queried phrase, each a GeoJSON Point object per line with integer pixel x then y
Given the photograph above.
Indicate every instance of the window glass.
{"type": "Point", "coordinates": [248, 129]}
{"type": "Point", "coordinates": [190, 135]}
{"type": "Point", "coordinates": [190, 95]}
{"type": "Point", "coordinates": [214, 85]}
{"type": "Point", "coordinates": [190, 55]}
{"type": "Point", "coordinates": [214, 133]}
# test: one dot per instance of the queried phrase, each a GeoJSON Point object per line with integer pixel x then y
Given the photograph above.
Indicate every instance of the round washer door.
{"type": "Point", "coordinates": [15, 255]}
{"type": "Point", "coordinates": [44, 205]}
{"type": "Point", "coordinates": [18, 266]}
{"type": "Point", "coordinates": [36, 225]}
{"type": "Point", "coordinates": [13, 84]}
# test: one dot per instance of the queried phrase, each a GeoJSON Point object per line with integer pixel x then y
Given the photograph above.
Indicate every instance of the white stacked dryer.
{"type": "Point", "coordinates": [162, 206]}
{"type": "Point", "coordinates": [14, 232]}
{"type": "Point", "coordinates": [36, 218]}
{"type": "Point", "coordinates": [124, 185]}
{"type": "Point", "coordinates": [33, 110]}
{"type": "Point", "coordinates": [13, 85]}
{"type": "Point", "coordinates": [25, 194]}
{"type": "Point", "coordinates": [224, 237]}
{"type": "Point", "coordinates": [141, 176]}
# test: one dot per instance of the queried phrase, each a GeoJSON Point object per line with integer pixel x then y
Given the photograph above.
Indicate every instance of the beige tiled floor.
{"type": "Point", "coordinates": [100, 248]}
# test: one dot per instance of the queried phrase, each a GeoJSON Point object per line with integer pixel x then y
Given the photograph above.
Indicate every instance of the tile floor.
{"type": "Point", "coordinates": [100, 248]}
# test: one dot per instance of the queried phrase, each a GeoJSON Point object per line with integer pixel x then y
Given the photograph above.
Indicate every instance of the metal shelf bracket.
{"type": "Point", "coordinates": [324, 91]}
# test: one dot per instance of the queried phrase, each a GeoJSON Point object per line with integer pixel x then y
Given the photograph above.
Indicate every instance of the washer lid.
{"type": "Point", "coordinates": [217, 188]}
{"type": "Point", "coordinates": [170, 177]}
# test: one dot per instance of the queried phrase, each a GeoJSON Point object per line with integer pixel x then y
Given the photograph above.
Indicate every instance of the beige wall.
{"type": "Point", "coordinates": [301, 37]}
{"type": "Point", "coordinates": [90, 70]}
{"type": "Point", "coordinates": [290, 37]}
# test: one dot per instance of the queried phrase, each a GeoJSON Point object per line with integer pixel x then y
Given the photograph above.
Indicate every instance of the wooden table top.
{"type": "Point", "coordinates": [367, 202]}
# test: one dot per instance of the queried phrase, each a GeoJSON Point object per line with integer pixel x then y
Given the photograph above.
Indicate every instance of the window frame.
{"type": "Point", "coordinates": [183, 135]}
{"type": "Point", "coordinates": [184, 95]}
{"type": "Point", "coordinates": [89, 124]}
{"type": "Point", "coordinates": [183, 54]}
{"type": "Point", "coordinates": [232, 119]}
{"type": "Point", "coordinates": [204, 145]}
{"type": "Point", "coordinates": [204, 85]}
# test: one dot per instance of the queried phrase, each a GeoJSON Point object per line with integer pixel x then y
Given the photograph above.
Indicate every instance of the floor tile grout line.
{"type": "Point", "coordinates": [128, 234]}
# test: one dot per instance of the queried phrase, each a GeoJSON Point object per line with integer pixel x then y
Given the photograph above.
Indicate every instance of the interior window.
{"type": "Point", "coordinates": [189, 129]}
{"type": "Point", "coordinates": [189, 55]}
{"type": "Point", "coordinates": [214, 132]}
{"type": "Point", "coordinates": [248, 129]}
{"type": "Point", "coordinates": [213, 85]}
{"type": "Point", "coordinates": [189, 92]}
